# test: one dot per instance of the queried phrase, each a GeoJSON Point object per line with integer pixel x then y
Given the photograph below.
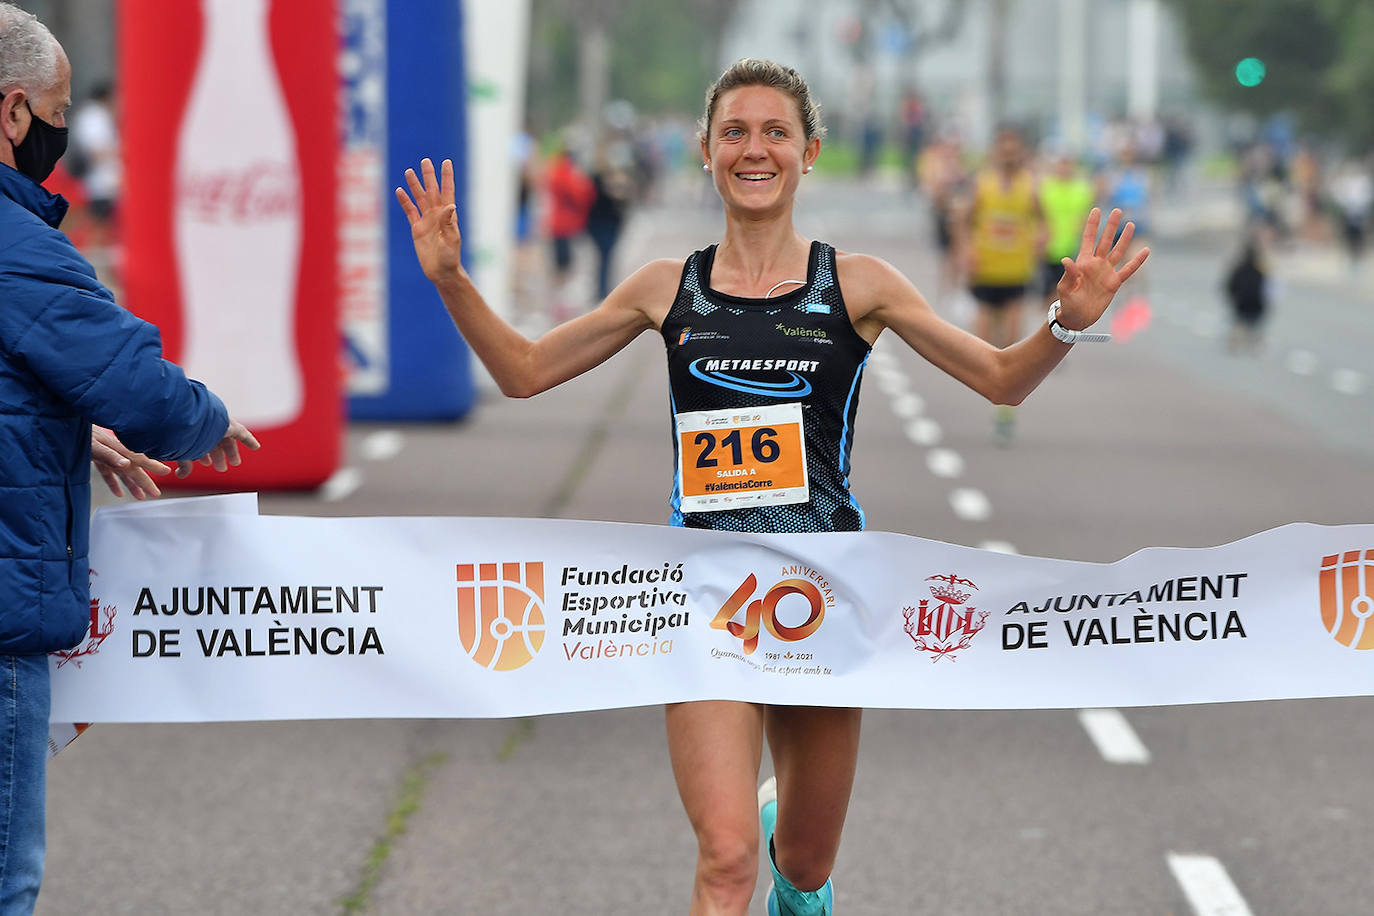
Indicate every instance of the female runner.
{"type": "Point", "coordinates": [741, 322]}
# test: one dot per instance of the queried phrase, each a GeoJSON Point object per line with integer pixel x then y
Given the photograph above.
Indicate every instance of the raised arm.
{"type": "Point", "coordinates": [883, 298]}
{"type": "Point", "coordinates": [522, 367]}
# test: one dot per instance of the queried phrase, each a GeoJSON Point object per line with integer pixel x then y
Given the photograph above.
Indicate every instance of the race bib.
{"type": "Point", "coordinates": [738, 458]}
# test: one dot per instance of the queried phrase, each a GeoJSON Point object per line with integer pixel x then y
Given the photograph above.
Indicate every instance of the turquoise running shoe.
{"type": "Point", "coordinates": [818, 903]}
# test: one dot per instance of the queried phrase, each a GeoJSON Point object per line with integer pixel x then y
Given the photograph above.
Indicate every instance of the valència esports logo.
{"type": "Point", "coordinates": [501, 613]}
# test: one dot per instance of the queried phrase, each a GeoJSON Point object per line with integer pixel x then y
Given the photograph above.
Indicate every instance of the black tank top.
{"type": "Point", "coordinates": [753, 384]}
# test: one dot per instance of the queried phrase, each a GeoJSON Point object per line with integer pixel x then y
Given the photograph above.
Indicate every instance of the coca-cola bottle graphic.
{"type": "Point", "coordinates": [237, 220]}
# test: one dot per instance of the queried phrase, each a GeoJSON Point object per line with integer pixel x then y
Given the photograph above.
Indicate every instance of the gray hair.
{"type": "Point", "coordinates": [28, 51]}
{"type": "Point", "coordinates": [751, 71]}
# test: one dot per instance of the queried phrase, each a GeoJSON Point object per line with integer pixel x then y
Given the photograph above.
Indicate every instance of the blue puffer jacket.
{"type": "Point", "coordinates": [69, 356]}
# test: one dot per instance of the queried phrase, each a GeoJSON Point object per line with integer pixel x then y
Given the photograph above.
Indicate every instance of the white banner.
{"type": "Point", "coordinates": [239, 616]}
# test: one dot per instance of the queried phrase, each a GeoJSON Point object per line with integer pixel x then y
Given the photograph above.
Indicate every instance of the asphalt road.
{"type": "Point", "coordinates": [1167, 440]}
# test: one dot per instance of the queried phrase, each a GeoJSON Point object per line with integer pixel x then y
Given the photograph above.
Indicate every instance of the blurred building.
{"type": "Point", "coordinates": [1133, 59]}
{"type": "Point", "coordinates": [86, 29]}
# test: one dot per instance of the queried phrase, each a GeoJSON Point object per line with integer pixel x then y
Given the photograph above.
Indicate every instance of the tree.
{"type": "Point", "coordinates": [1318, 57]}
{"type": "Point", "coordinates": [586, 52]}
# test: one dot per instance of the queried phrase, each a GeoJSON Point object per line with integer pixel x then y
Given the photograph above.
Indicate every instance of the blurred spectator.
{"type": "Point", "coordinates": [95, 139]}
{"type": "Point", "coordinates": [1247, 288]}
{"type": "Point", "coordinates": [913, 119]}
{"type": "Point", "coordinates": [1148, 140]}
{"type": "Point", "coordinates": [1262, 184]}
{"type": "Point", "coordinates": [613, 189]}
{"type": "Point", "coordinates": [945, 181]}
{"type": "Point", "coordinates": [1178, 145]}
{"type": "Point", "coordinates": [1352, 191]}
{"type": "Point", "coordinates": [1126, 187]}
{"type": "Point", "coordinates": [569, 196]}
{"type": "Point", "coordinates": [863, 118]}
{"type": "Point", "coordinates": [525, 156]}
{"type": "Point", "coordinates": [1305, 174]}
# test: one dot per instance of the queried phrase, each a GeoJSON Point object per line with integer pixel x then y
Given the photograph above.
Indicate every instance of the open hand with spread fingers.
{"type": "Point", "coordinates": [1092, 279]}
{"type": "Point", "coordinates": [117, 463]}
{"type": "Point", "coordinates": [226, 454]}
{"type": "Point", "coordinates": [433, 219]}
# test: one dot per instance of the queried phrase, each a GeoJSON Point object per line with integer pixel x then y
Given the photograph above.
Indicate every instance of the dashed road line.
{"type": "Point", "coordinates": [1208, 325]}
{"type": "Point", "coordinates": [908, 405]}
{"type": "Point", "coordinates": [1207, 886]}
{"type": "Point", "coordinates": [1348, 381]}
{"type": "Point", "coordinates": [923, 431]}
{"type": "Point", "coordinates": [383, 445]}
{"type": "Point", "coordinates": [1302, 362]}
{"type": "Point", "coordinates": [944, 462]}
{"type": "Point", "coordinates": [1116, 741]}
{"type": "Point", "coordinates": [343, 484]}
{"type": "Point", "coordinates": [970, 504]}
{"type": "Point", "coordinates": [892, 385]}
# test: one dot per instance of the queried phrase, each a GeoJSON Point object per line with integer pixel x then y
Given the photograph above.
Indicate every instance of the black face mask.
{"type": "Point", "coordinates": [37, 154]}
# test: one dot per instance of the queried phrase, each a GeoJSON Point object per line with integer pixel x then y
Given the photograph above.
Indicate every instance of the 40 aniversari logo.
{"type": "Point", "coordinates": [764, 611]}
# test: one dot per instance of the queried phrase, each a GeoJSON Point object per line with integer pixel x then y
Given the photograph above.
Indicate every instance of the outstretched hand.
{"type": "Point", "coordinates": [119, 464]}
{"type": "Point", "coordinates": [226, 454]}
{"type": "Point", "coordinates": [433, 219]}
{"type": "Point", "coordinates": [1092, 279]}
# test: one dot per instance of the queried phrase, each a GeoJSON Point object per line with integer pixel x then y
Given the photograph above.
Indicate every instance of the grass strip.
{"type": "Point", "coordinates": [521, 731]}
{"type": "Point", "coordinates": [611, 411]}
{"type": "Point", "coordinates": [407, 803]}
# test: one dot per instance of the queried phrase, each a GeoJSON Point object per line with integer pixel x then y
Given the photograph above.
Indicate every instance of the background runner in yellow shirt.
{"type": "Point", "coordinates": [1005, 233]}
{"type": "Point", "coordinates": [1066, 196]}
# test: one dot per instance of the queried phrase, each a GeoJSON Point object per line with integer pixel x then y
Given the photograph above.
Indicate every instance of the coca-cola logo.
{"type": "Point", "coordinates": [248, 194]}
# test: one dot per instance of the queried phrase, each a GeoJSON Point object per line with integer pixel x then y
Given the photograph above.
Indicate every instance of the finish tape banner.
{"type": "Point", "coordinates": [236, 616]}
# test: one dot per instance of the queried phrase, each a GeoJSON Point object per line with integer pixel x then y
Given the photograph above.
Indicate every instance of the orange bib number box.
{"type": "Point", "coordinates": [738, 458]}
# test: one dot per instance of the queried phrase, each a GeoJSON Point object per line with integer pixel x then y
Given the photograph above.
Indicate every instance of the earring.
{"type": "Point", "coordinates": [706, 166]}
{"type": "Point", "coordinates": [807, 170]}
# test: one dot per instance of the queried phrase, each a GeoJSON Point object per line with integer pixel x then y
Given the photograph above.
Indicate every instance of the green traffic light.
{"type": "Point", "coordinates": [1250, 72]}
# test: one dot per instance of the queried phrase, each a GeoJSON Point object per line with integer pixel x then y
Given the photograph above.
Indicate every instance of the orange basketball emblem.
{"type": "Point", "coordinates": [1347, 589]}
{"type": "Point", "coordinates": [501, 613]}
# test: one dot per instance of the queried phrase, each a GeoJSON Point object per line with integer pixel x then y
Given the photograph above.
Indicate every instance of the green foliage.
{"type": "Point", "coordinates": [659, 58]}
{"type": "Point", "coordinates": [661, 55]}
{"type": "Point", "coordinates": [1318, 57]}
{"type": "Point", "coordinates": [551, 92]}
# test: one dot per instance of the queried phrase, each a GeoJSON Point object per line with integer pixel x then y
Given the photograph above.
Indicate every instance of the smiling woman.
{"type": "Point", "coordinates": [765, 357]}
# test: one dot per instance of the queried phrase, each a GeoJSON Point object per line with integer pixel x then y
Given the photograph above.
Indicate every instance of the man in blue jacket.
{"type": "Point", "coordinates": [69, 356]}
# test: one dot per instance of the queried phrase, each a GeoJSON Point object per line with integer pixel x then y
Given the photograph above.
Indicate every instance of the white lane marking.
{"type": "Point", "coordinates": [382, 445]}
{"type": "Point", "coordinates": [1207, 886]}
{"type": "Point", "coordinates": [970, 504]}
{"type": "Point", "coordinates": [1347, 381]}
{"type": "Point", "coordinates": [343, 484]}
{"type": "Point", "coordinates": [999, 547]}
{"type": "Point", "coordinates": [886, 368]}
{"type": "Point", "coordinates": [923, 431]}
{"type": "Point", "coordinates": [1208, 325]}
{"type": "Point", "coordinates": [892, 385]}
{"type": "Point", "coordinates": [1113, 735]}
{"type": "Point", "coordinates": [1302, 362]}
{"type": "Point", "coordinates": [907, 405]}
{"type": "Point", "coordinates": [944, 462]}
